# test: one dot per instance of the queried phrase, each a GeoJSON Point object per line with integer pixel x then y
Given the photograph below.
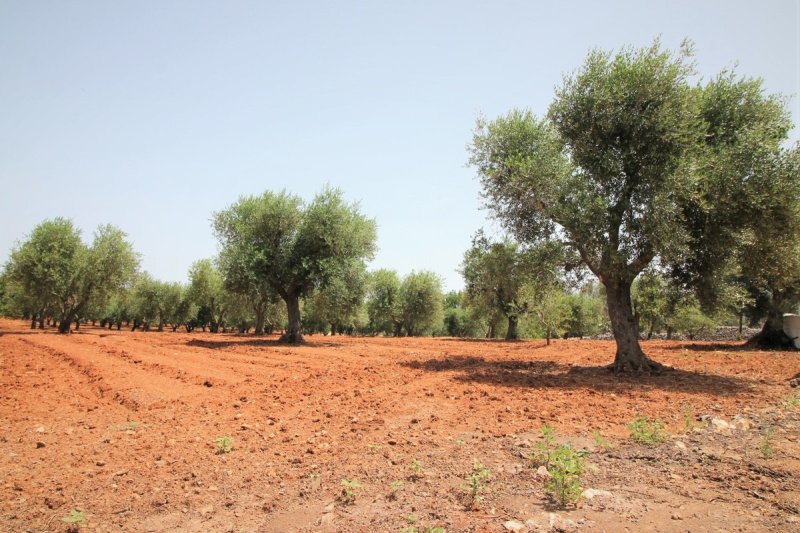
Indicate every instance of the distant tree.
{"type": "Point", "coordinates": [552, 311]}
{"type": "Point", "coordinates": [57, 270]}
{"type": "Point", "coordinates": [456, 322]}
{"type": "Point", "coordinates": [770, 255]}
{"type": "Point", "coordinates": [421, 303]}
{"type": "Point", "coordinates": [586, 315]}
{"type": "Point", "coordinates": [507, 277]}
{"type": "Point", "coordinates": [383, 302]}
{"type": "Point", "coordinates": [207, 292]}
{"type": "Point", "coordinates": [338, 303]}
{"type": "Point", "coordinates": [611, 171]}
{"type": "Point", "coordinates": [296, 248]}
{"type": "Point", "coordinates": [147, 302]}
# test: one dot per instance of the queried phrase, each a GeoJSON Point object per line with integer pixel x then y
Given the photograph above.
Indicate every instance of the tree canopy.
{"type": "Point", "coordinates": [295, 247]}
{"type": "Point", "coordinates": [612, 169]}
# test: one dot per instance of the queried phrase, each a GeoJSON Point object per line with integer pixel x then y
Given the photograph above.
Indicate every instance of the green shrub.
{"type": "Point", "coordinates": [646, 431]}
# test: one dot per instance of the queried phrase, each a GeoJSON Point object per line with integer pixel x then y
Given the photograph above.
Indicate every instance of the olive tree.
{"type": "Point", "coordinates": [207, 292]}
{"type": "Point", "coordinates": [509, 278]}
{"type": "Point", "coordinates": [296, 247]}
{"type": "Point", "coordinates": [421, 303]}
{"type": "Point", "coordinates": [57, 270]}
{"type": "Point", "coordinates": [611, 168]}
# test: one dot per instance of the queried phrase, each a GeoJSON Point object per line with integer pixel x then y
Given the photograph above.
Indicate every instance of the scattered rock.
{"type": "Point", "coordinates": [207, 510]}
{"type": "Point", "coordinates": [40, 429]}
{"type": "Point", "coordinates": [542, 473]}
{"type": "Point", "coordinates": [40, 444]}
{"type": "Point", "coordinates": [676, 516]}
{"type": "Point", "coordinates": [718, 424]}
{"type": "Point", "coordinates": [680, 445]}
{"type": "Point", "coordinates": [513, 525]}
{"type": "Point", "coordinates": [592, 493]}
{"type": "Point", "coordinates": [742, 423]}
{"type": "Point", "coordinates": [100, 463]}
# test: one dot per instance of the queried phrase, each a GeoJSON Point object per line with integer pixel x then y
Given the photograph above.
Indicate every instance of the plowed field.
{"type": "Point", "coordinates": [123, 427]}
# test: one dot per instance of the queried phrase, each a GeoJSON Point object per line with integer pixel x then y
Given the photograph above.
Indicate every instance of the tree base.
{"type": "Point", "coordinates": [771, 338]}
{"type": "Point", "coordinates": [292, 338]}
{"type": "Point", "coordinates": [639, 365]}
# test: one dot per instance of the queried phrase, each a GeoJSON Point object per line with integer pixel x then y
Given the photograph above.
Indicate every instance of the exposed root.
{"type": "Point", "coordinates": [775, 339]}
{"type": "Point", "coordinates": [643, 365]}
{"type": "Point", "coordinates": [288, 338]}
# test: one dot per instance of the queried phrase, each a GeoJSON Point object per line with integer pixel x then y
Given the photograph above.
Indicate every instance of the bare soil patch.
{"type": "Point", "coordinates": [123, 426]}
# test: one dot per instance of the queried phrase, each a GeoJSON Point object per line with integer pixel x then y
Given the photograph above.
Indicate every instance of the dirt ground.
{"type": "Point", "coordinates": [123, 427]}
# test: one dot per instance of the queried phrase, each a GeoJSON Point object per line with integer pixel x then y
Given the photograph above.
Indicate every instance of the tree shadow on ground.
{"type": "Point", "coordinates": [259, 343]}
{"type": "Point", "coordinates": [715, 347]}
{"type": "Point", "coordinates": [556, 375]}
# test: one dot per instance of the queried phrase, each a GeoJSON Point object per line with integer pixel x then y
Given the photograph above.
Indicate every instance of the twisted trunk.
{"type": "Point", "coordinates": [625, 325]}
{"type": "Point", "coordinates": [293, 333]}
{"type": "Point", "coordinates": [511, 334]}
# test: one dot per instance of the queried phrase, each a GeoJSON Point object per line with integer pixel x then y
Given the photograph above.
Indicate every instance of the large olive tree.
{"type": "Point", "coordinates": [610, 171]}
{"type": "Point", "coordinates": [296, 247]}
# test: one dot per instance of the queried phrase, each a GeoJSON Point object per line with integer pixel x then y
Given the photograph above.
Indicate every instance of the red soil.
{"type": "Point", "coordinates": [122, 427]}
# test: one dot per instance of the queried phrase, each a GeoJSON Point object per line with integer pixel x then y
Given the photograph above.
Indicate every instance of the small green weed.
{"type": "Point", "coordinates": [130, 425]}
{"type": "Point", "coordinates": [689, 420]}
{"type": "Point", "coordinates": [349, 490]}
{"type": "Point", "coordinates": [76, 519]}
{"type": "Point", "coordinates": [476, 483]}
{"type": "Point", "coordinates": [543, 449]}
{"type": "Point", "coordinates": [374, 448]}
{"type": "Point", "coordinates": [412, 529]}
{"type": "Point", "coordinates": [791, 402]}
{"type": "Point", "coordinates": [603, 443]}
{"type": "Point", "coordinates": [646, 431]}
{"type": "Point", "coordinates": [566, 467]}
{"type": "Point", "coordinates": [767, 450]}
{"type": "Point", "coordinates": [223, 444]}
{"type": "Point", "coordinates": [395, 487]}
{"type": "Point", "coordinates": [416, 470]}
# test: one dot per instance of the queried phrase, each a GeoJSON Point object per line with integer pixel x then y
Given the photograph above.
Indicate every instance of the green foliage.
{"type": "Point", "coordinates": [601, 442]}
{"type": "Point", "coordinates": [565, 467]}
{"type": "Point", "coordinates": [383, 302]}
{"type": "Point", "coordinates": [416, 470]}
{"type": "Point", "coordinates": [689, 421]}
{"type": "Point", "coordinates": [75, 518]}
{"type": "Point", "coordinates": [544, 448]}
{"type": "Point", "coordinates": [56, 273]}
{"type": "Point", "coordinates": [476, 483]}
{"type": "Point", "coordinates": [421, 303]}
{"type": "Point", "coordinates": [206, 290]}
{"type": "Point", "coordinates": [507, 278]}
{"type": "Point", "coordinates": [412, 529]}
{"type": "Point", "coordinates": [394, 488]}
{"type": "Point", "coordinates": [629, 165]}
{"type": "Point", "coordinates": [563, 463]}
{"type": "Point", "coordinates": [338, 303]}
{"type": "Point", "coordinates": [646, 431]}
{"type": "Point", "coordinates": [766, 448]}
{"type": "Point", "coordinates": [223, 445]}
{"type": "Point", "coordinates": [586, 313]}
{"type": "Point", "coordinates": [349, 490]}
{"type": "Point", "coordinates": [293, 247]}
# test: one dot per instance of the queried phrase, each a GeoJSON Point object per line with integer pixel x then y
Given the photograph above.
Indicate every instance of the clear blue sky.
{"type": "Point", "coordinates": [152, 115]}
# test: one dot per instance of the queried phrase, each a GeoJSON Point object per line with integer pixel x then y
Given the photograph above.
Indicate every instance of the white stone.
{"type": "Point", "coordinates": [513, 525]}
{"type": "Point", "coordinates": [592, 493]}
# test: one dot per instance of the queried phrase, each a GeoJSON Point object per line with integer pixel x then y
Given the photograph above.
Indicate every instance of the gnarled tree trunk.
{"type": "Point", "coordinates": [771, 334]}
{"type": "Point", "coordinates": [293, 334]}
{"type": "Point", "coordinates": [511, 334]}
{"type": "Point", "coordinates": [624, 324]}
